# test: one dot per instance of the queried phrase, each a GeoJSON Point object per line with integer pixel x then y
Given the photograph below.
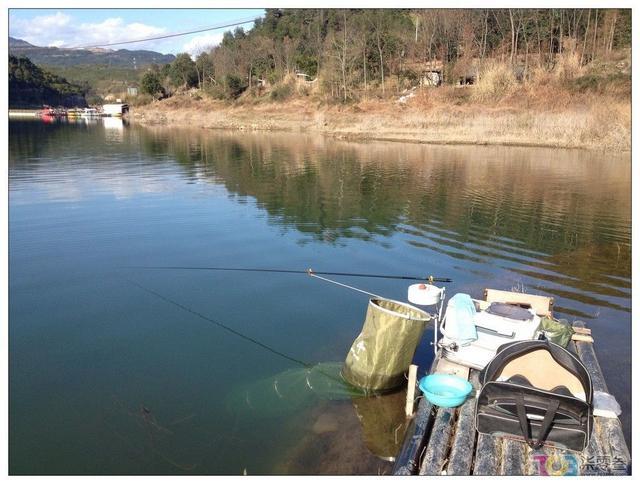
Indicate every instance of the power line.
{"type": "Point", "coordinates": [167, 36]}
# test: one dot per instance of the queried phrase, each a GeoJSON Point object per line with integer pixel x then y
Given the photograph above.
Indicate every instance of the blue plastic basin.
{"type": "Point", "coordinates": [445, 390]}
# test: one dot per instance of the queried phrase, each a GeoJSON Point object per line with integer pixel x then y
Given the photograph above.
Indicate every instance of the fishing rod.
{"type": "Point", "coordinates": [309, 272]}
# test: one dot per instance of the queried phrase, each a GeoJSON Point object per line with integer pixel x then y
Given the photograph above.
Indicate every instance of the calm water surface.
{"type": "Point", "coordinates": [109, 376]}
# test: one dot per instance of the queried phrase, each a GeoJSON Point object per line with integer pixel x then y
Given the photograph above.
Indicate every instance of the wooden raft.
{"type": "Point", "coordinates": [443, 441]}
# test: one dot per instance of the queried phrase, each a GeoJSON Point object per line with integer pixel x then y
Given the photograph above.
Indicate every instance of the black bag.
{"type": "Point", "coordinates": [538, 392]}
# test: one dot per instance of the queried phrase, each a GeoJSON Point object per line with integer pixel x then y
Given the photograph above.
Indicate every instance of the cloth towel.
{"type": "Point", "coordinates": [460, 325]}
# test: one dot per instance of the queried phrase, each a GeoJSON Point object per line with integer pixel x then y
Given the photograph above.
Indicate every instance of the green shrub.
{"type": "Point", "coordinates": [281, 92]}
{"type": "Point", "coordinates": [235, 85]}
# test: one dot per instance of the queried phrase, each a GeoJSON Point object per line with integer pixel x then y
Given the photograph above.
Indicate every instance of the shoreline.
{"type": "Point", "coordinates": [594, 128]}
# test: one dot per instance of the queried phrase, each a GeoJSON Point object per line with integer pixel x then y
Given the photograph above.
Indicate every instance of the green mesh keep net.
{"type": "Point", "coordinates": [384, 349]}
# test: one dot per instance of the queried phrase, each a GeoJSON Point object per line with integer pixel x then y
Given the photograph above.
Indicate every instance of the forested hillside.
{"type": "Point", "coordinates": [356, 53]}
{"type": "Point", "coordinates": [31, 87]}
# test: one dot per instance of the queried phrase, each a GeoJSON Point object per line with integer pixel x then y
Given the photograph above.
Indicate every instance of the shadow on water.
{"type": "Point", "coordinates": [358, 436]}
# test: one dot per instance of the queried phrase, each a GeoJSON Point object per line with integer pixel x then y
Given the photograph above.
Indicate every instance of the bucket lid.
{"type": "Point", "coordinates": [424, 294]}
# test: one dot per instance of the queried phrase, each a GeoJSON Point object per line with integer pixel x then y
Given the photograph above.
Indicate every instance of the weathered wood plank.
{"type": "Point", "coordinates": [587, 355]}
{"type": "Point", "coordinates": [595, 450]}
{"type": "Point", "coordinates": [407, 462]}
{"type": "Point", "coordinates": [487, 456]}
{"type": "Point", "coordinates": [417, 435]}
{"type": "Point", "coordinates": [438, 446]}
{"type": "Point", "coordinates": [607, 452]}
{"type": "Point", "coordinates": [611, 431]}
{"type": "Point", "coordinates": [464, 440]}
{"type": "Point", "coordinates": [514, 457]}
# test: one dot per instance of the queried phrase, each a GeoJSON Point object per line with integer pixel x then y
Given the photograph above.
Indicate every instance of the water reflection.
{"type": "Point", "coordinates": [560, 217]}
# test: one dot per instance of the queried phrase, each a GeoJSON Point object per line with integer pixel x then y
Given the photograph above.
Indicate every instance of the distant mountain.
{"type": "Point", "coordinates": [60, 57]}
{"type": "Point", "coordinates": [18, 43]}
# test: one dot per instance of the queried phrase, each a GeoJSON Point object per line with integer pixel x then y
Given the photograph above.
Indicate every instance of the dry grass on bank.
{"type": "Point", "coordinates": [569, 107]}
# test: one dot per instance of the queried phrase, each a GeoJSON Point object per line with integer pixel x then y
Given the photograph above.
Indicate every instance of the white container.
{"type": "Point", "coordinates": [493, 332]}
{"type": "Point", "coordinates": [424, 294]}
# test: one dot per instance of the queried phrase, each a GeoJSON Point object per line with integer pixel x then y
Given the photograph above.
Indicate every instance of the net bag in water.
{"type": "Point", "coordinates": [383, 351]}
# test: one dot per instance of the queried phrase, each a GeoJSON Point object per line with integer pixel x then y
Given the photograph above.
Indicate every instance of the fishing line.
{"type": "Point", "coordinates": [302, 363]}
{"type": "Point", "coordinates": [313, 274]}
{"type": "Point", "coordinates": [221, 325]}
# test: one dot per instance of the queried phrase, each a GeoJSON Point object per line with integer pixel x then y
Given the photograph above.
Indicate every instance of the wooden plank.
{"type": "Point", "coordinates": [542, 305]}
{"type": "Point", "coordinates": [416, 436]}
{"type": "Point", "coordinates": [437, 449]}
{"type": "Point", "coordinates": [411, 391]}
{"type": "Point", "coordinates": [607, 452]}
{"type": "Point", "coordinates": [487, 456]}
{"type": "Point", "coordinates": [582, 337]}
{"type": "Point", "coordinates": [464, 440]}
{"type": "Point", "coordinates": [407, 462]}
{"type": "Point", "coordinates": [611, 431]}
{"type": "Point", "coordinates": [514, 457]}
{"type": "Point", "coordinates": [595, 450]}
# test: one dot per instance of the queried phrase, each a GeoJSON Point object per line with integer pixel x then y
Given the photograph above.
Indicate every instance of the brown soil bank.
{"type": "Point", "coordinates": [447, 115]}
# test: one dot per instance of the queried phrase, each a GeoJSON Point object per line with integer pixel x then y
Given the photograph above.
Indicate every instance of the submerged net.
{"type": "Point", "coordinates": [384, 349]}
{"type": "Point", "coordinates": [291, 390]}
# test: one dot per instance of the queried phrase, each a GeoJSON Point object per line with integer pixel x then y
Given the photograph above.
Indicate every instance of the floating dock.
{"type": "Point", "coordinates": [444, 441]}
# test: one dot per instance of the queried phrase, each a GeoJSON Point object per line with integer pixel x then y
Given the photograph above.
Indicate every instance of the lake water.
{"type": "Point", "coordinates": [116, 370]}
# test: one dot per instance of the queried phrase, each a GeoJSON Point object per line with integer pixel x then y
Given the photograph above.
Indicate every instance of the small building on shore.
{"type": "Point", "coordinates": [115, 109]}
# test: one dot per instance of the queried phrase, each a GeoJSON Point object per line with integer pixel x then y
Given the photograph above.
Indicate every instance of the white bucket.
{"type": "Point", "coordinates": [424, 294]}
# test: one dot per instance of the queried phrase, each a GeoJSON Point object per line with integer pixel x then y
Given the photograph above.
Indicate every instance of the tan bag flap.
{"type": "Point", "coordinates": [543, 372]}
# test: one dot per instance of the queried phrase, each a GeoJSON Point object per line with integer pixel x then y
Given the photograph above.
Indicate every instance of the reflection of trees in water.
{"type": "Point", "coordinates": [32, 140]}
{"type": "Point", "coordinates": [512, 204]}
{"type": "Point", "coordinates": [541, 212]}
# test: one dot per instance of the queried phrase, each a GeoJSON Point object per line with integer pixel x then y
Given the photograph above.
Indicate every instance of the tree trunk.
{"type": "Point", "coordinates": [364, 65]}
{"type": "Point", "coordinates": [513, 35]}
{"type": "Point", "coordinates": [379, 44]}
{"type": "Point", "coordinates": [560, 38]}
{"type": "Point", "coordinates": [595, 37]}
{"type": "Point", "coordinates": [484, 36]}
{"type": "Point", "coordinates": [586, 33]}
{"type": "Point", "coordinates": [344, 56]}
{"type": "Point", "coordinates": [381, 68]}
{"type": "Point", "coordinates": [613, 30]}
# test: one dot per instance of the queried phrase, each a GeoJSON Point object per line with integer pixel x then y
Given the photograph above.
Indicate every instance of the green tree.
{"type": "Point", "coordinates": [150, 84]}
{"type": "Point", "coordinates": [183, 71]}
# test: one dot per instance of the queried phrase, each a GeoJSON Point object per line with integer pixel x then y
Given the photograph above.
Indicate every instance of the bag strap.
{"type": "Point", "coordinates": [546, 422]}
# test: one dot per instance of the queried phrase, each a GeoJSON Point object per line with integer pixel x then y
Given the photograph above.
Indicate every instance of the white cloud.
{"type": "Point", "coordinates": [59, 30]}
{"type": "Point", "coordinates": [202, 43]}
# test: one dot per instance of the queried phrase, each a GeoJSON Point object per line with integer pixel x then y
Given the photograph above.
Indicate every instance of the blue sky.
{"type": "Point", "coordinates": [78, 27]}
